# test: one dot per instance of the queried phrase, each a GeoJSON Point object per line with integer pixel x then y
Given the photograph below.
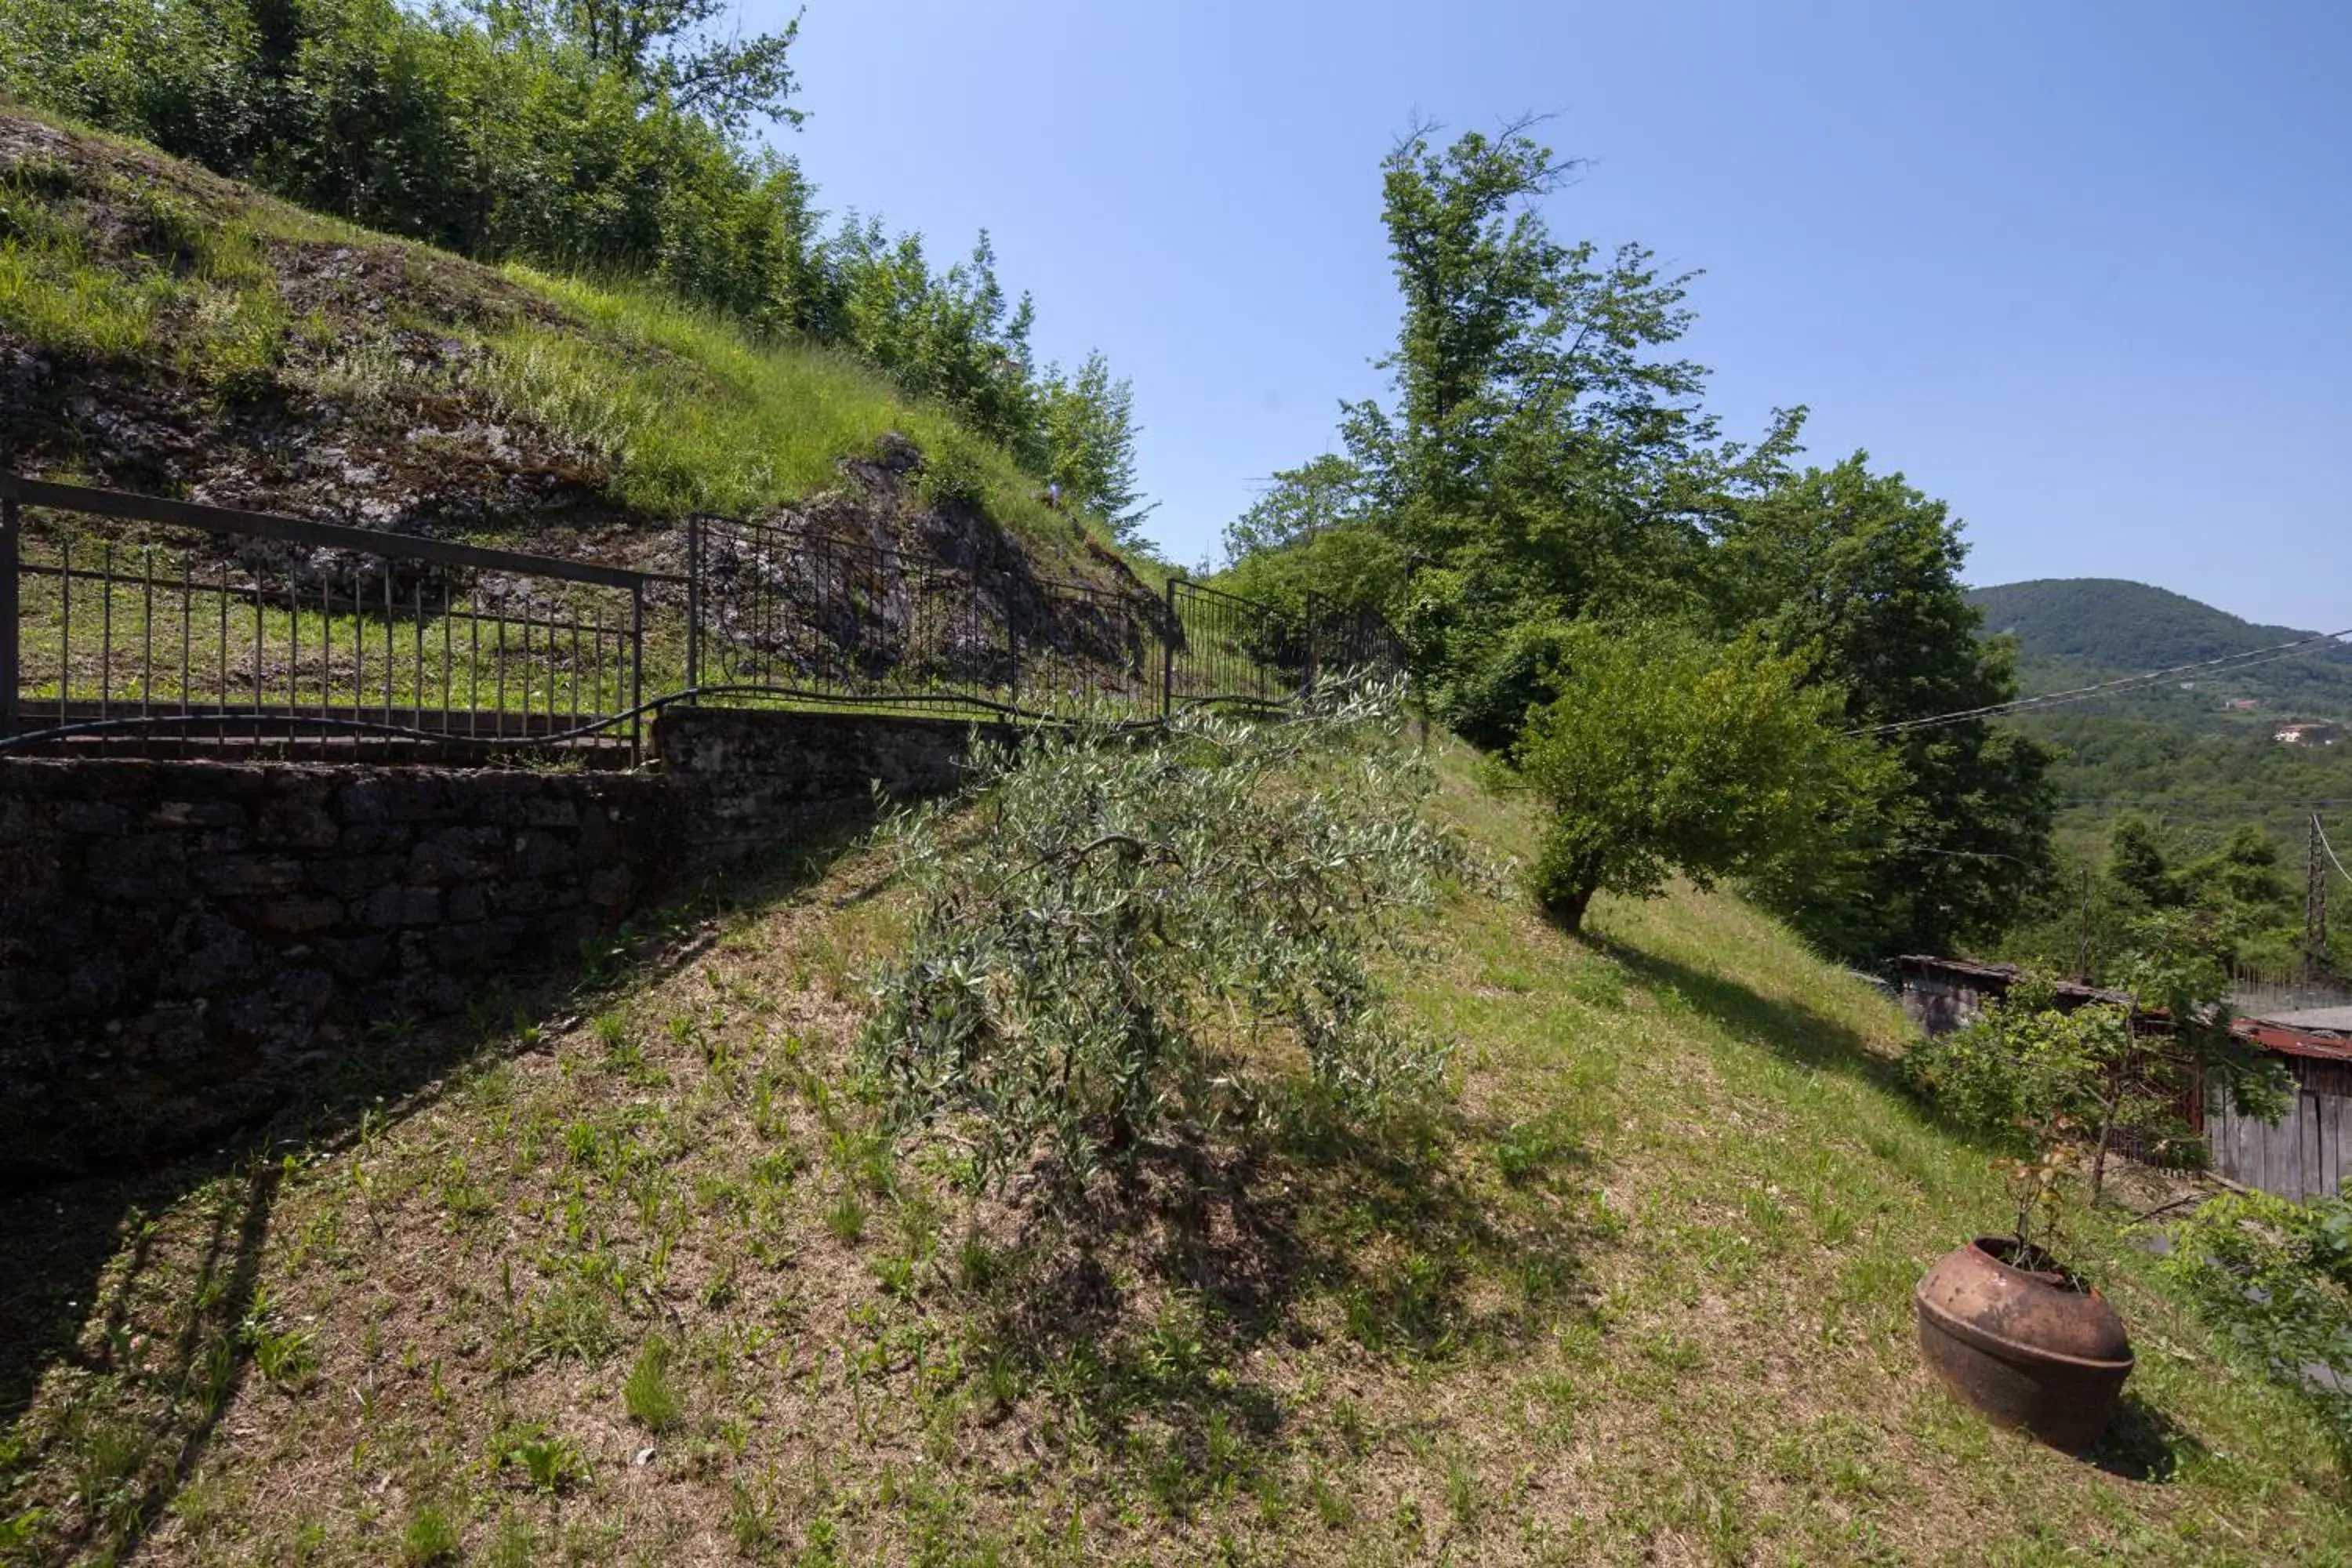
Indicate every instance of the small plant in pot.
{"type": "Point", "coordinates": [2007, 1325]}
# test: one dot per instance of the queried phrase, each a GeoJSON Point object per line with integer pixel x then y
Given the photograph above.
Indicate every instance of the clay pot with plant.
{"type": "Point", "coordinates": [2007, 1325]}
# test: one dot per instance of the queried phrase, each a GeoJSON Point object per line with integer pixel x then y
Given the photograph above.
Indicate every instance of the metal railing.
{"type": "Point", "coordinates": [132, 617]}
{"type": "Point", "coordinates": [210, 624]}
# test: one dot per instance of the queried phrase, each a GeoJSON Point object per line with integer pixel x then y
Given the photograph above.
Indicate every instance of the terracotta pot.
{"type": "Point", "coordinates": [2013, 1335]}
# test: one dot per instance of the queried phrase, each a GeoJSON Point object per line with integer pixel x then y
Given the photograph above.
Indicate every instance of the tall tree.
{"type": "Point", "coordinates": [1545, 453]}
{"type": "Point", "coordinates": [1861, 573]}
{"type": "Point", "coordinates": [672, 49]}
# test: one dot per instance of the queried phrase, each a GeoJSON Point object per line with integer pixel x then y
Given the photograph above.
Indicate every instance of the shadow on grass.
{"type": "Point", "coordinates": [123, 1338]}
{"type": "Point", "coordinates": [1788, 1029]}
{"type": "Point", "coordinates": [2143, 1444]}
{"type": "Point", "coordinates": [1388, 1230]}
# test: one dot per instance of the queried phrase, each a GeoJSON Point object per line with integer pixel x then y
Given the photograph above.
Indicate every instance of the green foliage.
{"type": "Point", "coordinates": [1546, 459]}
{"type": "Point", "coordinates": [651, 1393]}
{"type": "Point", "coordinates": [1861, 573]}
{"type": "Point", "coordinates": [1149, 939]}
{"type": "Point", "coordinates": [2076, 1086]}
{"type": "Point", "coordinates": [599, 137]}
{"type": "Point", "coordinates": [2073, 631]}
{"type": "Point", "coordinates": [431, 1538]}
{"type": "Point", "coordinates": [2277, 1277]}
{"type": "Point", "coordinates": [1664, 753]}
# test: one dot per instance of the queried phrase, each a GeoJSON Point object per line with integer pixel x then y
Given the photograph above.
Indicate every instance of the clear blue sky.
{"type": "Point", "coordinates": [2085, 271]}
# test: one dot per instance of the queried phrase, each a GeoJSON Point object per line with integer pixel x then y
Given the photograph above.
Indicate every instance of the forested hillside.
{"type": "Point", "coordinates": [2076, 631]}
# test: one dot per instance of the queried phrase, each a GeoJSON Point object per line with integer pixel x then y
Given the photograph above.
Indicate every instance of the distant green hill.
{"type": "Point", "coordinates": [2175, 751]}
{"type": "Point", "coordinates": [2074, 631]}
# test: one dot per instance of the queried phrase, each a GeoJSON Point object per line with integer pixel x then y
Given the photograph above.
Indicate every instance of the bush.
{"type": "Point", "coordinates": [1129, 945]}
{"type": "Point", "coordinates": [2277, 1277]}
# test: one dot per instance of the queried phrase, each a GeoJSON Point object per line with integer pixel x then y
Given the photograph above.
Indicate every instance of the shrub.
{"type": "Point", "coordinates": [2277, 1277]}
{"type": "Point", "coordinates": [1130, 941]}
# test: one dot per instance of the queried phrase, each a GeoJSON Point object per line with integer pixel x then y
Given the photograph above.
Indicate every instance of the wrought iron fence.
{"type": "Point", "coordinates": [123, 615]}
{"type": "Point", "coordinates": [131, 617]}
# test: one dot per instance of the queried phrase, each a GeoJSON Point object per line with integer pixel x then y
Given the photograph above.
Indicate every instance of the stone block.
{"type": "Point", "coordinates": [297, 916]}
{"type": "Point", "coordinates": [538, 853]}
{"type": "Point", "coordinates": [610, 888]}
{"type": "Point", "coordinates": [299, 824]}
{"type": "Point", "coordinates": [352, 876]}
{"type": "Point", "coordinates": [197, 813]}
{"type": "Point", "coordinates": [467, 902]}
{"type": "Point", "coordinates": [92, 816]}
{"type": "Point", "coordinates": [245, 875]}
{"type": "Point", "coordinates": [400, 905]}
{"type": "Point", "coordinates": [551, 813]}
{"type": "Point", "coordinates": [358, 957]}
{"type": "Point", "coordinates": [456, 854]}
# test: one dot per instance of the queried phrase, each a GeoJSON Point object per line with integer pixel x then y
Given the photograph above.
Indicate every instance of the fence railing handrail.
{"type": "Point", "coordinates": [211, 518]}
{"type": "Point", "coordinates": [1003, 639]}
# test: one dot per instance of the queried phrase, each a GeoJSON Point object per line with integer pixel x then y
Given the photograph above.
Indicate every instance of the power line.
{"type": "Point", "coordinates": [2233, 662]}
{"type": "Point", "coordinates": [2321, 831]}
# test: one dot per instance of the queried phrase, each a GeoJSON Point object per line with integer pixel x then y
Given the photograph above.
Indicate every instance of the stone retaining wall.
{"type": "Point", "coordinates": [182, 943]}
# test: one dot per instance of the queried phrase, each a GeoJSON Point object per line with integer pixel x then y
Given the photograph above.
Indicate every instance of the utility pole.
{"type": "Point", "coordinates": [2315, 908]}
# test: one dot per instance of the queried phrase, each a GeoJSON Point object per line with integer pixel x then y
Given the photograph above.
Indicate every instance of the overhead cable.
{"type": "Point", "coordinates": [2226, 663]}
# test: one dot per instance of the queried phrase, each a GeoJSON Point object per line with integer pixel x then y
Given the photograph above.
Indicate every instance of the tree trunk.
{"type": "Point", "coordinates": [1569, 908]}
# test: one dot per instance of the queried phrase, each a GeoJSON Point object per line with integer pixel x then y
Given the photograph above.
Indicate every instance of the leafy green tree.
{"type": "Point", "coordinates": [1545, 453]}
{"type": "Point", "coordinates": [2137, 865]}
{"type": "Point", "coordinates": [1088, 431]}
{"type": "Point", "coordinates": [669, 50]}
{"type": "Point", "coordinates": [1861, 571]}
{"type": "Point", "coordinates": [1662, 752]}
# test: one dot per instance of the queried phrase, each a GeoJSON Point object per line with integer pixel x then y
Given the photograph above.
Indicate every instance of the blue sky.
{"type": "Point", "coordinates": [2085, 271]}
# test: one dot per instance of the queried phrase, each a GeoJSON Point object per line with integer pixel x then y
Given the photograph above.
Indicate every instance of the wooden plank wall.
{"type": "Point", "coordinates": [2303, 1155]}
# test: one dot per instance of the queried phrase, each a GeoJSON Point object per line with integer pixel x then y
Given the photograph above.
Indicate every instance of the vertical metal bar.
{"type": "Point", "coordinates": [390, 660]}
{"type": "Point", "coordinates": [293, 649]}
{"type": "Point", "coordinates": [220, 664]}
{"type": "Point", "coordinates": [105, 628]}
{"type": "Point", "coordinates": [146, 629]}
{"type": "Point", "coordinates": [187, 629]}
{"type": "Point", "coordinates": [65, 624]}
{"type": "Point", "coordinates": [473, 670]}
{"type": "Point", "coordinates": [448, 725]}
{"type": "Point", "coordinates": [11, 604]}
{"type": "Point", "coordinates": [359, 648]}
{"type": "Point", "coordinates": [1168, 658]}
{"type": "Point", "coordinates": [417, 625]}
{"type": "Point", "coordinates": [575, 667]}
{"type": "Point", "coordinates": [257, 652]}
{"type": "Point", "coordinates": [498, 705]}
{"type": "Point", "coordinates": [693, 602]}
{"type": "Point", "coordinates": [637, 671]}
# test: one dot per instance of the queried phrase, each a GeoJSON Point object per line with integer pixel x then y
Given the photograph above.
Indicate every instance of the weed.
{"type": "Point", "coordinates": [845, 1216]}
{"type": "Point", "coordinates": [651, 1395]}
{"type": "Point", "coordinates": [431, 1537]}
{"type": "Point", "coordinates": [552, 1463]}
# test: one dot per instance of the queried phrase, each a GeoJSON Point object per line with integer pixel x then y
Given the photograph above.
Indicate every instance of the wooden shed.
{"type": "Point", "coordinates": [2303, 1155]}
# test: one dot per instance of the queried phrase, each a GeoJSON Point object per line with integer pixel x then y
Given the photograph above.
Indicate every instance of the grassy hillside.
{"type": "Point", "coordinates": [634, 1282]}
{"type": "Point", "coordinates": [165, 330]}
{"type": "Point", "coordinates": [2075, 631]}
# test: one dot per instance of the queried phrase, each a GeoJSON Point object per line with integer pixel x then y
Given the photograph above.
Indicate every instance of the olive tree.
{"type": "Point", "coordinates": [1125, 944]}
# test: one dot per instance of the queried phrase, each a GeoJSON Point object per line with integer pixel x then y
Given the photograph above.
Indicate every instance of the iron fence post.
{"type": "Point", "coordinates": [636, 672]}
{"type": "Point", "coordinates": [1168, 658]}
{"type": "Point", "coordinates": [8, 604]}
{"type": "Point", "coordinates": [693, 602]}
{"type": "Point", "coordinates": [1306, 678]}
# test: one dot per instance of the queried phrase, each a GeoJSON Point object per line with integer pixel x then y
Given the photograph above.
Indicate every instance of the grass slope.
{"type": "Point", "coordinates": [163, 329]}
{"type": "Point", "coordinates": [634, 1285]}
